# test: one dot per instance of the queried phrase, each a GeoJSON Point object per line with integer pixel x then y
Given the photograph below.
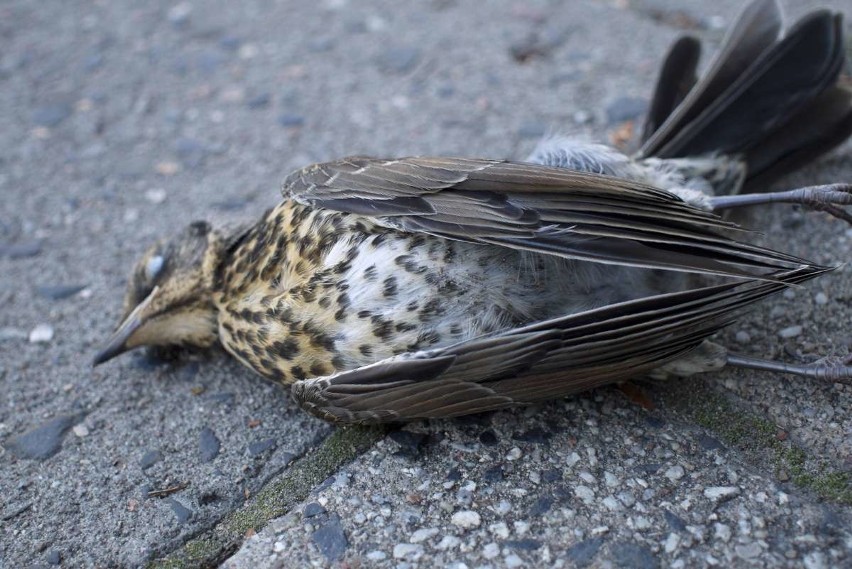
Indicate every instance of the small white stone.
{"type": "Point", "coordinates": [641, 522]}
{"type": "Point", "coordinates": [671, 543]}
{"type": "Point", "coordinates": [466, 519]}
{"type": "Point", "coordinates": [500, 529]}
{"type": "Point", "coordinates": [790, 332]}
{"type": "Point", "coordinates": [156, 195]}
{"type": "Point", "coordinates": [448, 542]}
{"type": "Point", "coordinates": [41, 334]}
{"type": "Point", "coordinates": [521, 527]}
{"type": "Point", "coordinates": [180, 12]}
{"type": "Point", "coordinates": [279, 546]}
{"type": "Point", "coordinates": [586, 494]}
{"type": "Point", "coordinates": [423, 534]}
{"type": "Point", "coordinates": [572, 459]}
{"type": "Point", "coordinates": [600, 530]}
{"type": "Point", "coordinates": [722, 532]}
{"type": "Point", "coordinates": [502, 508]}
{"type": "Point", "coordinates": [514, 454]}
{"type": "Point", "coordinates": [513, 561]}
{"type": "Point", "coordinates": [248, 51]}
{"type": "Point", "coordinates": [748, 551]}
{"type": "Point", "coordinates": [80, 430]}
{"type": "Point", "coordinates": [587, 477]}
{"type": "Point", "coordinates": [815, 560]}
{"type": "Point", "coordinates": [821, 298]}
{"type": "Point", "coordinates": [407, 551]}
{"type": "Point", "coordinates": [675, 473]}
{"type": "Point", "coordinates": [743, 337]}
{"type": "Point", "coordinates": [491, 550]}
{"type": "Point", "coordinates": [720, 492]}
{"type": "Point", "coordinates": [611, 503]}
{"type": "Point", "coordinates": [377, 555]}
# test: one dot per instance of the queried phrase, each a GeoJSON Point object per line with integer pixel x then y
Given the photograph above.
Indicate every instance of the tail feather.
{"type": "Point", "coordinates": [757, 30]}
{"type": "Point", "coordinates": [773, 101]}
{"type": "Point", "coordinates": [677, 78]}
{"type": "Point", "coordinates": [825, 123]}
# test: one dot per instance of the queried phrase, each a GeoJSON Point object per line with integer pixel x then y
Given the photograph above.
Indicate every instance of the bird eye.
{"type": "Point", "coordinates": [153, 267]}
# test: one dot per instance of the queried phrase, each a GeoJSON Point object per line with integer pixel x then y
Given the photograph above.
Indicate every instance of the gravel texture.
{"type": "Point", "coordinates": [120, 122]}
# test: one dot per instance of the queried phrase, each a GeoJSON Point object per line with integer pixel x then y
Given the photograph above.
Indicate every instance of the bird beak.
{"type": "Point", "coordinates": [119, 342]}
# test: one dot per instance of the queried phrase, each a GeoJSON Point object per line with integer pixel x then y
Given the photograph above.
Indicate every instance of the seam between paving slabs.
{"type": "Point", "coordinates": [275, 499]}
{"type": "Point", "coordinates": [757, 439]}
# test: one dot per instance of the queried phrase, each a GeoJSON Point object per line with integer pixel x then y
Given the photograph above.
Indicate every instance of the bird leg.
{"type": "Point", "coordinates": [832, 373]}
{"type": "Point", "coordinates": [825, 198]}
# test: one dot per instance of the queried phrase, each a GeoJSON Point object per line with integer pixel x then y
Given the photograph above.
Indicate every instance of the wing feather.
{"type": "Point", "coordinates": [552, 211]}
{"type": "Point", "coordinates": [548, 359]}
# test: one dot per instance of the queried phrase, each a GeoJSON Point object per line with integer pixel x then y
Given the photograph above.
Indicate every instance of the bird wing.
{"type": "Point", "coordinates": [554, 211]}
{"type": "Point", "coordinates": [549, 359]}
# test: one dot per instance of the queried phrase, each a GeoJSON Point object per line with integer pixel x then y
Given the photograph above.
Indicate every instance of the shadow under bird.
{"type": "Point", "coordinates": [393, 290]}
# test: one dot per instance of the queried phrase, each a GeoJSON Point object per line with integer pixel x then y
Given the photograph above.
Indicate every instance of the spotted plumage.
{"type": "Point", "coordinates": [430, 287]}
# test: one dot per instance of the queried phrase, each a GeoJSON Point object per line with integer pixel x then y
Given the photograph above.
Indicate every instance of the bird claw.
{"type": "Point", "coordinates": [829, 198]}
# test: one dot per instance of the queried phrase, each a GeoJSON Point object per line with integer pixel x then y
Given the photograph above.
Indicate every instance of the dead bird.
{"type": "Point", "coordinates": [393, 290]}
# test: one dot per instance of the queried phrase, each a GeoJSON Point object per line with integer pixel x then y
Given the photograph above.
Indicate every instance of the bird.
{"type": "Point", "coordinates": [392, 290]}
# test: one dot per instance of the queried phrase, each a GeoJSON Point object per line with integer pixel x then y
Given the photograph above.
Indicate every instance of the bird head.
{"type": "Point", "coordinates": [169, 299]}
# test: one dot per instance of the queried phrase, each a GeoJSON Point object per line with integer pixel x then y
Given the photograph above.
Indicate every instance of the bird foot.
{"type": "Point", "coordinates": [827, 372]}
{"type": "Point", "coordinates": [828, 198]}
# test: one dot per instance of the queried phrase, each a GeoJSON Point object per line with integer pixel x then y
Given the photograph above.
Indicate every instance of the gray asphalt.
{"type": "Point", "coordinates": [120, 122]}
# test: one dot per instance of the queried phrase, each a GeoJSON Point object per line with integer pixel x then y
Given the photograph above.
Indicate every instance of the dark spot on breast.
{"type": "Point", "coordinates": [379, 239]}
{"type": "Point", "coordinates": [343, 300]}
{"type": "Point", "coordinates": [366, 350]}
{"type": "Point", "coordinates": [338, 362]}
{"type": "Point", "coordinates": [390, 288]}
{"type": "Point", "coordinates": [370, 273]}
{"type": "Point", "coordinates": [382, 328]}
{"type": "Point", "coordinates": [318, 369]}
{"type": "Point", "coordinates": [342, 267]}
{"type": "Point", "coordinates": [430, 309]}
{"type": "Point", "coordinates": [431, 278]}
{"type": "Point", "coordinates": [325, 302]}
{"type": "Point", "coordinates": [317, 337]}
{"type": "Point", "coordinates": [416, 241]}
{"type": "Point", "coordinates": [309, 294]}
{"type": "Point", "coordinates": [341, 314]}
{"type": "Point", "coordinates": [287, 349]}
{"type": "Point", "coordinates": [326, 242]}
{"type": "Point", "coordinates": [298, 373]}
{"type": "Point", "coordinates": [456, 329]}
{"type": "Point", "coordinates": [429, 338]}
{"type": "Point", "coordinates": [412, 306]}
{"type": "Point", "coordinates": [449, 253]}
{"type": "Point", "coordinates": [405, 327]}
{"type": "Point", "coordinates": [364, 314]}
